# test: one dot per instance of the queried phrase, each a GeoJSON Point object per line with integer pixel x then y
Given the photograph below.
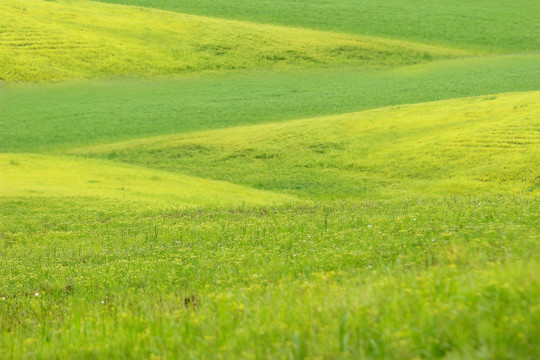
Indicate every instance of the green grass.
{"type": "Point", "coordinates": [495, 25]}
{"type": "Point", "coordinates": [48, 117]}
{"type": "Point", "coordinates": [52, 41]}
{"type": "Point", "coordinates": [452, 278]}
{"type": "Point", "coordinates": [460, 146]}
{"type": "Point", "coordinates": [269, 179]}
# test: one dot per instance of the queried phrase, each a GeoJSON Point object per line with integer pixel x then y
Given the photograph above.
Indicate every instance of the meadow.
{"type": "Point", "coordinates": [491, 25]}
{"type": "Point", "coordinates": [269, 180]}
{"type": "Point", "coordinates": [101, 111]}
{"type": "Point", "coordinates": [437, 278]}
{"type": "Point", "coordinates": [460, 146]}
{"type": "Point", "coordinates": [65, 40]}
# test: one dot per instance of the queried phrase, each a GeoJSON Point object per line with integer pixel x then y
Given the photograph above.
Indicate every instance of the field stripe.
{"type": "Point", "coordinates": [54, 41]}
{"type": "Point", "coordinates": [59, 176]}
{"type": "Point", "coordinates": [462, 146]}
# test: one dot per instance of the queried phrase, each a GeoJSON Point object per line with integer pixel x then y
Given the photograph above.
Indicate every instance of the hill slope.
{"type": "Point", "coordinates": [472, 145]}
{"type": "Point", "coordinates": [44, 40]}
{"type": "Point", "coordinates": [495, 25]}
{"type": "Point", "coordinates": [49, 117]}
{"type": "Point", "coordinates": [39, 176]}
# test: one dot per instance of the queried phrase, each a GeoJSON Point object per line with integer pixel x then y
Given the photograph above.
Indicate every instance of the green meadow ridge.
{"type": "Point", "coordinates": [234, 179]}
{"type": "Point", "coordinates": [54, 41]}
{"type": "Point", "coordinates": [493, 25]}
{"type": "Point", "coordinates": [453, 146]}
{"type": "Point", "coordinates": [33, 119]}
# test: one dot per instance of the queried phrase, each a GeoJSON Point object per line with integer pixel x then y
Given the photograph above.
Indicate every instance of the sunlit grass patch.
{"type": "Point", "coordinates": [58, 40]}
{"type": "Point", "coordinates": [493, 25]}
{"type": "Point", "coordinates": [486, 144]}
{"type": "Point", "coordinates": [44, 176]}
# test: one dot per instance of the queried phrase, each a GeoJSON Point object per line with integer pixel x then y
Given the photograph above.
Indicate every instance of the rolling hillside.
{"type": "Point", "coordinates": [492, 25]}
{"type": "Point", "coordinates": [48, 176]}
{"type": "Point", "coordinates": [52, 41]}
{"type": "Point", "coordinates": [270, 179]}
{"type": "Point", "coordinates": [71, 114]}
{"type": "Point", "coordinates": [471, 146]}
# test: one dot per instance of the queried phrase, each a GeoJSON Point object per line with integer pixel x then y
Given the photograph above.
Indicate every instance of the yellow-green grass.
{"type": "Point", "coordinates": [493, 25]}
{"type": "Point", "coordinates": [52, 176]}
{"type": "Point", "coordinates": [58, 40]}
{"type": "Point", "coordinates": [202, 245]}
{"type": "Point", "coordinates": [73, 114]}
{"type": "Point", "coordinates": [487, 144]}
{"type": "Point", "coordinates": [451, 278]}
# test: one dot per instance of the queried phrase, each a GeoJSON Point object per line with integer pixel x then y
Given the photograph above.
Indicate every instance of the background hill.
{"type": "Point", "coordinates": [492, 25]}
{"type": "Point", "coordinates": [44, 40]}
{"type": "Point", "coordinates": [71, 114]}
{"type": "Point", "coordinates": [466, 146]}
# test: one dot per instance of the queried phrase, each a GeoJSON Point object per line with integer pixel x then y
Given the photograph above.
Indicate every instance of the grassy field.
{"type": "Point", "coordinates": [492, 25]}
{"type": "Point", "coordinates": [454, 278]}
{"type": "Point", "coordinates": [265, 179]}
{"type": "Point", "coordinates": [39, 175]}
{"type": "Point", "coordinates": [433, 253]}
{"type": "Point", "coordinates": [50, 117]}
{"type": "Point", "coordinates": [460, 146]}
{"type": "Point", "coordinates": [62, 40]}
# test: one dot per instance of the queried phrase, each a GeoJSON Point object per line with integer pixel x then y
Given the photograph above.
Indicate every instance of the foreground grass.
{"type": "Point", "coordinates": [51, 41]}
{"type": "Point", "coordinates": [461, 146]}
{"type": "Point", "coordinates": [48, 117]}
{"type": "Point", "coordinates": [426, 278]}
{"type": "Point", "coordinates": [495, 25]}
